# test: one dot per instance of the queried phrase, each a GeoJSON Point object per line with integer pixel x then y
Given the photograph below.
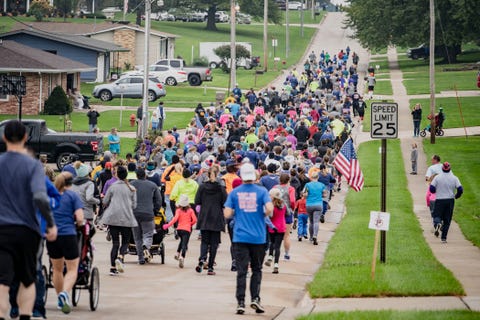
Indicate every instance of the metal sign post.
{"type": "Point", "coordinates": [384, 125]}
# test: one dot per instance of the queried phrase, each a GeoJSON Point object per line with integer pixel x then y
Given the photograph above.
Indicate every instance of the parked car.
{"type": "Point", "coordinates": [181, 14]}
{"type": "Point", "coordinates": [58, 146]}
{"type": "Point", "coordinates": [281, 4]}
{"type": "Point", "coordinates": [165, 16]}
{"type": "Point", "coordinates": [295, 5]}
{"type": "Point", "coordinates": [198, 16]}
{"type": "Point", "coordinates": [243, 18]}
{"type": "Point", "coordinates": [130, 87]}
{"type": "Point", "coordinates": [195, 75]}
{"type": "Point", "coordinates": [165, 74]}
{"type": "Point", "coordinates": [221, 16]}
{"type": "Point", "coordinates": [421, 51]}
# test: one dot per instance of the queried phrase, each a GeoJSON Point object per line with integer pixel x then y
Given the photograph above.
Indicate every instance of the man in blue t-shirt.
{"type": "Point", "coordinates": [248, 204]}
{"type": "Point", "coordinates": [19, 227]}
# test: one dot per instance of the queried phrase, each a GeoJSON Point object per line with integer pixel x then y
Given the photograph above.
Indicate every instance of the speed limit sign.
{"type": "Point", "coordinates": [384, 117]}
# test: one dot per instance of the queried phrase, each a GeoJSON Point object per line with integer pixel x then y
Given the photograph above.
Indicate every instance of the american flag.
{"type": "Point", "coordinates": [347, 164]}
{"type": "Point", "coordinates": [200, 128]}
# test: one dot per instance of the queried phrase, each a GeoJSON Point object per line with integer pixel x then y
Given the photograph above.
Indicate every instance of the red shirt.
{"type": "Point", "coordinates": [301, 206]}
{"type": "Point", "coordinates": [186, 219]}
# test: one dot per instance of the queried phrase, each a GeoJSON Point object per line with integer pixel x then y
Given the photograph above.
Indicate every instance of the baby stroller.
{"type": "Point", "coordinates": [438, 126]}
{"type": "Point", "coordinates": [88, 277]}
{"type": "Point", "coordinates": [157, 248]}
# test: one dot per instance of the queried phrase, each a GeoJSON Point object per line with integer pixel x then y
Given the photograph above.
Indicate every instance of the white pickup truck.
{"type": "Point", "coordinates": [195, 75]}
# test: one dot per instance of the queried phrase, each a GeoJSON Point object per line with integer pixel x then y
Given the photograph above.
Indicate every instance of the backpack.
{"type": "Point", "coordinates": [285, 198]}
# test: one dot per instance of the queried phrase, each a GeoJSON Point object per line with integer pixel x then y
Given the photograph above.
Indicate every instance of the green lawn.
{"type": "Point", "coordinates": [127, 145]}
{"type": "Point", "coordinates": [469, 108]}
{"type": "Point", "coordinates": [107, 120]}
{"type": "Point", "coordinates": [463, 155]}
{"type": "Point", "coordinates": [395, 315]}
{"type": "Point", "coordinates": [383, 87]}
{"type": "Point", "coordinates": [410, 270]}
{"type": "Point", "coordinates": [416, 73]}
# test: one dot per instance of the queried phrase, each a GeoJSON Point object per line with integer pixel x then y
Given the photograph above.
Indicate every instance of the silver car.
{"type": "Point", "coordinates": [129, 87]}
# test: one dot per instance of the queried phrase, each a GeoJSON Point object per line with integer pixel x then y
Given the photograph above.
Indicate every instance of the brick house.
{"type": "Point", "coordinates": [43, 72]}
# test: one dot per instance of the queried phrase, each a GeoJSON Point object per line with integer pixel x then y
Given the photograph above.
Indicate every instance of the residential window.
{"type": "Point", "coordinates": [3, 97]}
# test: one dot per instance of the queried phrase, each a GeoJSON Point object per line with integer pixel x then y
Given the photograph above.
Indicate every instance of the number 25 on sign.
{"type": "Point", "coordinates": [384, 118]}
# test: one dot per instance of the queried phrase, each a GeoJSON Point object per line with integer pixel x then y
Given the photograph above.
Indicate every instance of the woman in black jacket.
{"type": "Point", "coordinates": [210, 196]}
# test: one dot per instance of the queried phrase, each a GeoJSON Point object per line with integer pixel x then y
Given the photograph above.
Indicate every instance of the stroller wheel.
{"type": "Point", "coordinates": [94, 288]}
{"type": "Point", "coordinates": [440, 132]}
{"type": "Point", "coordinates": [46, 280]}
{"type": "Point", "coordinates": [161, 250]}
{"type": "Point", "coordinates": [423, 133]}
{"type": "Point", "coordinates": [75, 295]}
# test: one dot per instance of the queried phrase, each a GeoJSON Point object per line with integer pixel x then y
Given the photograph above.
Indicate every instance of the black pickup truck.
{"type": "Point", "coordinates": [58, 146]}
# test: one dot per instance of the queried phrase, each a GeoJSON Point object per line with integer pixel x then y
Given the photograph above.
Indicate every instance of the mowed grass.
{"type": "Point", "coordinates": [395, 315]}
{"type": "Point", "coordinates": [107, 120]}
{"type": "Point", "coordinates": [463, 155]}
{"type": "Point", "coordinates": [410, 268]}
{"type": "Point", "coordinates": [127, 145]}
{"type": "Point", "coordinates": [453, 113]}
{"type": "Point", "coordinates": [416, 73]}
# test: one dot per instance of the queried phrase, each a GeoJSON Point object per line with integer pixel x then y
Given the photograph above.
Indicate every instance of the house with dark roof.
{"type": "Point", "coordinates": [132, 37]}
{"type": "Point", "coordinates": [92, 52]}
{"type": "Point", "coordinates": [42, 70]}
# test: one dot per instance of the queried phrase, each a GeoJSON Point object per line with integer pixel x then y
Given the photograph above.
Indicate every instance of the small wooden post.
{"type": "Point", "coordinates": [375, 250]}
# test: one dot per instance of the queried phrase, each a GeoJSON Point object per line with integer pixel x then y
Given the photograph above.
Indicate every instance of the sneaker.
{"type": "Point", "coordinates": [444, 241]}
{"type": "Point", "coordinates": [233, 268]}
{"type": "Point", "coordinates": [37, 315]}
{"type": "Point", "coordinates": [205, 266]}
{"type": "Point", "coordinates": [65, 300]}
{"type": "Point", "coordinates": [211, 272]}
{"type": "Point", "coordinates": [322, 218]}
{"type": "Point", "coordinates": [268, 263]}
{"type": "Point", "coordinates": [14, 313]}
{"type": "Point", "coordinates": [199, 268]}
{"type": "Point", "coordinates": [305, 237]}
{"type": "Point", "coordinates": [113, 272]}
{"type": "Point", "coordinates": [315, 243]}
{"type": "Point", "coordinates": [180, 262]}
{"type": "Point", "coordinates": [241, 307]}
{"type": "Point", "coordinates": [176, 256]}
{"type": "Point", "coordinates": [299, 239]}
{"type": "Point", "coordinates": [141, 262]}
{"type": "Point", "coordinates": [146, 254]}
{"type": "Point", "coordinates": [437, 230]}
{"type": "Point", "coordinates": [119, 265]}
{"type": "Point", "coordinates": [257, 306]}
{"type": "Point", "coordinates": [275, 268]}
{"type": "Point", "coordinates": [286, 257]}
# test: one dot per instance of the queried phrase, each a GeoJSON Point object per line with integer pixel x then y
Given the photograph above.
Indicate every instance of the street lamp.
{"type": "Point", "coordinates": [234, 7]}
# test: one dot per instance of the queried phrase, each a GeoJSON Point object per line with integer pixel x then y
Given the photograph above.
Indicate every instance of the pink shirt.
{"type": "Point", "coordinates": [278, 219]}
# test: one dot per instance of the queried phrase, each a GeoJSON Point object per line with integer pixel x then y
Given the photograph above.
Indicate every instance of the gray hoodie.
{"type": "Point", "coordinates": [85, 188]}
{"type": "Point", "coordinates": [120, 201]}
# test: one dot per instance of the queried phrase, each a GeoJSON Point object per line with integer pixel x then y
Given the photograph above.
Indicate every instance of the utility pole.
{"type": "Point", "coordinates": [265, 35]}
{"type": "Point", "coordinates": [287, 34]}
{"type": "Point", "coordinates": [233, 47]}
{"type": "Point", "coordinates": [146, 69]}
{"type": "Point", "coordinates": [301, 19]}
{"type": "Point", "coordinates": [432, 72]}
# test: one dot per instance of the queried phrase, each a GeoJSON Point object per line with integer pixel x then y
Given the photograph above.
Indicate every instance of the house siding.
{"type": "Point", "coordinates": [85, 56]}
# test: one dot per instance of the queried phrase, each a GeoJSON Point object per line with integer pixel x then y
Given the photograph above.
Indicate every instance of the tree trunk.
{"type": "Point", "coordinates": [449, 53]}
{"type": "Point", "coordinates": [211, 18]}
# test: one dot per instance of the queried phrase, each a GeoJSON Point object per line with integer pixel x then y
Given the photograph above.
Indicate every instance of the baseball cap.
{"type": "Point", "coordinates": [446, 167]}
{"type": "Point", "coordinates": [247, 172]}
{"type": "Point", "coordinates": [183, 201]}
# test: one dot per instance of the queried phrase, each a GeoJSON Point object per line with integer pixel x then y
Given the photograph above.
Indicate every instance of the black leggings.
{"type": "Point", "coordinates": [209, 246]}
{"type": "Point", "coordinates": [183, 245]}
{"type": "Point", "coordinates": [275, 244]}
{"type": "Point", "coordinates": [115, 232]}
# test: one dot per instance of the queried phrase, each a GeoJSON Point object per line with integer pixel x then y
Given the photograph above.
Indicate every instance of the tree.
{"type": "Point", "coordinates": [58, 102]}
{"type": "Point", "coordinates": [40, 9]}
{"type": "Point", "coordinates": [223, 52]}
{"type": "Point", "coordinates": [380, 23]}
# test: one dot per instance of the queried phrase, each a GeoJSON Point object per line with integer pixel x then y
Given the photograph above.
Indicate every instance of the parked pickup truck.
{"type": "Point", "coordinates": [58, 146]}
{"type": "Point", "coordinates": [195, 75]}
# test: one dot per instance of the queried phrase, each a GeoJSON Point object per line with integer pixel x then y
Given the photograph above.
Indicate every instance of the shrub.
{"type": "Point", "coordinates": [40, 9]}
{"type": "Point", "coordinates": [58, 102]}
{"type": "Point", "coordinates": [200, 62]}
{"type": "Point", "coordinates": [94, 15]}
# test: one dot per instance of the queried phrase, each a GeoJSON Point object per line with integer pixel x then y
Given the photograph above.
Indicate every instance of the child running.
{"type": "Point", "coordinates": [277, 234]}
{"type": "Point", "coordinates": [301, 209]}
{"type": "Point", "coordinates": [185, 216]}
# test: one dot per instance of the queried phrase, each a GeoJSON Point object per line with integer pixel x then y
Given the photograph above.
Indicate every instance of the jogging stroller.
{"type": "Point", "coordinates": [439, 118]}
{"type": "Point", "coordinates": [157, 248]}
{"type": "Point", "coordinates": [88, 277]}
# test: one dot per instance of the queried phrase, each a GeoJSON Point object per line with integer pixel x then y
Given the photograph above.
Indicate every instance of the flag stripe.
{"type": "Point", "coordinates": [347, 164]}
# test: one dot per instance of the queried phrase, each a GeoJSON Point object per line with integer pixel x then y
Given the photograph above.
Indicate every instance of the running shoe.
{"type": "Point", "coordinates": [65, 300]}
{"type": "Point", "coordinates": [199, 268]}
{"type": "Point", "coordinates": [255, 304]}
{"type": "Point", "coordinates": [241, 307]}
{"type": "Point", "coordinates": [119, 265]}
{"type": "Point", "coordinates": [180, 262]}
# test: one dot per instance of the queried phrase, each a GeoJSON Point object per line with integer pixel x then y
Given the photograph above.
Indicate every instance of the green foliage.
{"type": "Point", "coordinates": [57, 102]}
{"type": "Point", "coordinates": [39, 9]}
{"type": "Point", "coordinates": [94, 15]}
{"type": "Point", "coordinates": [407, 23]}
{"type": "Point", "coordinates": [200, 62]}
{"type": "Point", "coordinates": [224, 53]}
